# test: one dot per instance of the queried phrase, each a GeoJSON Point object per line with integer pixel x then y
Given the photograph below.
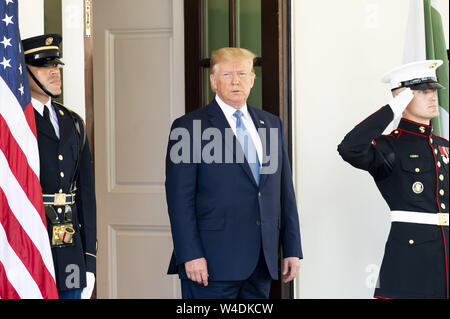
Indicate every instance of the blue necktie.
{"type": "Point", "coordinates": [247, 145]}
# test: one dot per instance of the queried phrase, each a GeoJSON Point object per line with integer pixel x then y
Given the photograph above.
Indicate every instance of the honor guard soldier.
{"type": "Point", "coordinates": [410, 168]}
{"type": "Point", "coordinates": [66, 173]}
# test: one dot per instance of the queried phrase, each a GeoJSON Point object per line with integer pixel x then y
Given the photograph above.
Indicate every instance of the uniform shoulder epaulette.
{"type": "Point", "coordinates": [66, 107]}
{"type": "Point", "coordinates": [394, 134]}
{"type": "Point", "coordinates": [442, 138]}
{"type": "Point", "coordinates": [69, 110]}
{"type": "Point", "coordinates": [76, 118]}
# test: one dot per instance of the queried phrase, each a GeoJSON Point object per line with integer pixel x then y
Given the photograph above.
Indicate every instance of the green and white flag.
{"type": "Point", "coordinates": [425, 40]}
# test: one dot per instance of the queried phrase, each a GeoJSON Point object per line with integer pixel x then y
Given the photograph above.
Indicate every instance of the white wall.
{"type": "Point", "coordinates": [341, 50]}
{"type": "Point", "coordinates": [31, 18]}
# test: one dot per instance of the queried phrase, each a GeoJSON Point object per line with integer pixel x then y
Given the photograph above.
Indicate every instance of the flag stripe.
{"type": "Point", "coordinates": [437, 49]}
{"type": "Point", "coordinates": [18, 239]}
{"type": "Point", "coordinates": [29, 116]}
{"type": "Point", "coordinates": [415, 46]}
{"type": "Point", "coordinates": [16, 272]}
{"type": "Point", "coordinates": [6, 289]}
{"type": "Point", "coordinates": [25, 213]}
{"type": "Point", "coordinates": [15, 118]}
{"type": "Point", "coordinates": [18, 165]}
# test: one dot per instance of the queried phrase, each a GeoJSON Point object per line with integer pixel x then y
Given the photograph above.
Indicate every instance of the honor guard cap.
{"type": "Point", "coordinates": [42, 50]}
{"type": "Point", "coordinates": [420, 75]}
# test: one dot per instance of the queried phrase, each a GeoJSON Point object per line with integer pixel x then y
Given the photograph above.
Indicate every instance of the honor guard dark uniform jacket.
{"type": "Point", "coordinates": [410, 168]}
{"type": "Point", "coordinates": [58, 161]}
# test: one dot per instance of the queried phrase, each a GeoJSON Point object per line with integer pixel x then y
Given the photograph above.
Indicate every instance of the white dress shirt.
{"type": "Point", "coordinates": [247, 120]}
{"type": "Point", "coordinates": [38, 106]}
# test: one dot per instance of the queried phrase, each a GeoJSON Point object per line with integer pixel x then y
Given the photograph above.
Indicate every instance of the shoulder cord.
{"type": "Point", "coordinates": [81, 143]}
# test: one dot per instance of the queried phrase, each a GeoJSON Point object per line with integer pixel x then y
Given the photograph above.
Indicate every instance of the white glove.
{"type": "Point", "coordinates": [399, 103]}
{"type": "Point", "coordinates": [90, 281]}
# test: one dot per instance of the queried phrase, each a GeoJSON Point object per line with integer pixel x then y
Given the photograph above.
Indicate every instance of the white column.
{"type": "Point", "coordinates": [31, 18]}
{"type": "Point", "coordinates": [73, 55]}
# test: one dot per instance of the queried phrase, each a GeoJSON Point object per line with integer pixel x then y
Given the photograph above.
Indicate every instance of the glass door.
{"type": "Point", "coordinates": [233, 24]}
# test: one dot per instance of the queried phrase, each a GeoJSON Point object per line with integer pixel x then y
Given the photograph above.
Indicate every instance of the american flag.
{"type": "Point", "coordinates": [26, 265]}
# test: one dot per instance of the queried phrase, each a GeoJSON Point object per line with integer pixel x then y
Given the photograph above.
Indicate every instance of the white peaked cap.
{"type": "Point", "coordinates": [419, 75]}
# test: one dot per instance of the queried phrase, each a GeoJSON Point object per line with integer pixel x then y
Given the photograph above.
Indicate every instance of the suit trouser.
{"type": "Point", "coordinates": [257, 286]}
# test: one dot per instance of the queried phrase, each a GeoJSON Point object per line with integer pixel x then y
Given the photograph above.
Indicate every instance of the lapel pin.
{"type": "Point", "coordinates": [261, 122]}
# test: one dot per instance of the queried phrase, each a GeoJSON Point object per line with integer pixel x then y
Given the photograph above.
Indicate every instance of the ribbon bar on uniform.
{"type": "Point", "coordinates": [59, 199]}
{"type": "Point", "coordinates": [439, 219]}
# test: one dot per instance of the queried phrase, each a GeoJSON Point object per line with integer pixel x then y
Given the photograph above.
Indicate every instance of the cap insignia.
{"type": "Point", "coordinates": [49, 41]}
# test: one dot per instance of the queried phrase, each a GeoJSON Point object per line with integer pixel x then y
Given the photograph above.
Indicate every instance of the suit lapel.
{"type": "Point", "coordinates": [219, 121]}
{"type": "Point", "coordinates": [65, 123]}
{"type": "Point", "coordinates": [44, 127]}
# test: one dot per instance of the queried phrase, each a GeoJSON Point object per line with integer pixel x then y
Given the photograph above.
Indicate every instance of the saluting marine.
{"type": "Point", "coordinates": [66, 173]}
{"type": "Point", "coordinates": [410, 168]}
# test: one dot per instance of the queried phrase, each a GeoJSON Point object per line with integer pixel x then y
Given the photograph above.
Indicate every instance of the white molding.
{"type": "Point", "coordinates": [31, 18]}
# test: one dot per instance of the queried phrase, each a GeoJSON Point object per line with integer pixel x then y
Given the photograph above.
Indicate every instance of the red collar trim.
{"type": "Point", "coordinates": [419, 124]}
{"type": "Point", "coordinates": [400, 129]}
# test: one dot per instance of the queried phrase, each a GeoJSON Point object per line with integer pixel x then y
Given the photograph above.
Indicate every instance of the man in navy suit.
{"type": "Point", "coordinates": [229, 191]}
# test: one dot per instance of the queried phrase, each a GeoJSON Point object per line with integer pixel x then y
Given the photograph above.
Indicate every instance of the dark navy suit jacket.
{"type": "Point", "coordinates": [217, 211]}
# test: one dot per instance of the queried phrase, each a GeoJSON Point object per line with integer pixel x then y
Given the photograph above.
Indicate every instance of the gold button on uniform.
{"type": "Point", "coordinates": [443, 206]}
{"type": "Point", "coordinates": [441, 192]}
{"type": "Point", "coordinates": [411, 241]}
{"type": "Point", "coordinates": [396, 132]}
{"type": "Point", "coordinates": [60, 191]}
{"type": "Point", "coordinates": [435, 151]}
{"type": "Point", "coordinates": [439, 164]}
{"type": "Point", "coordinates": [59, 210]}
{"type": "Point", "coordinates": [431, 140]}
{"type": "Point", "coordinates": [60, 157]}
{"type": "Point", "coordinates": [417, 170]}
{"type": "Point", "coordinates": [441, 177]}
{"type": "Point", "coordinates": [422, 129]}
{"type": "Point", "coordinates": [61, 174]}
